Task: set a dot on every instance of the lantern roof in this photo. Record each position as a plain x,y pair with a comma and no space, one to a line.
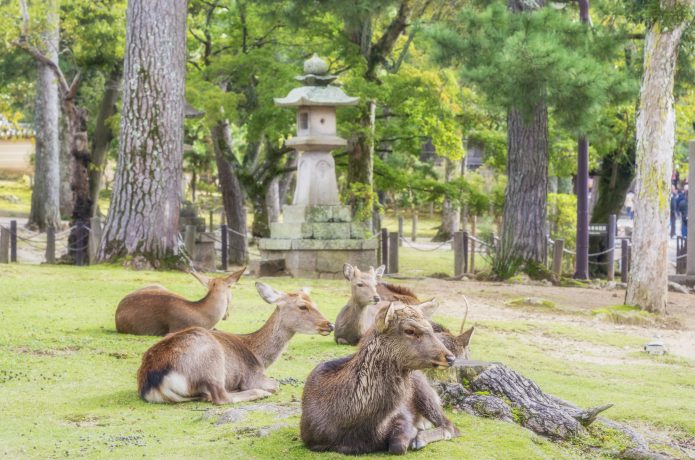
317,90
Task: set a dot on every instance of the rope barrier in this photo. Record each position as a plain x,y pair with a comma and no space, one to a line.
424,250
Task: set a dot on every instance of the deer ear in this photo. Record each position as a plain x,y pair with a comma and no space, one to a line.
268,294
234,277
379,271
204,280
348,272
465,338
428,308
385,317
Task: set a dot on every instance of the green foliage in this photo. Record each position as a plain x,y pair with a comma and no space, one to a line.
562,215
365,195
521,60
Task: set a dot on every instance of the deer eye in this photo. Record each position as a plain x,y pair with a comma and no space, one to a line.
302,307
409,332
360,284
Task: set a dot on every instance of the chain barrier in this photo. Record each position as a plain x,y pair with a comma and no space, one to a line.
424,250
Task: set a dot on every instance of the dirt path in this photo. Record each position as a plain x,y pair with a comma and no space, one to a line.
573,306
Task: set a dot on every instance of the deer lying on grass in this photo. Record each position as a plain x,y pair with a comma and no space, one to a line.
367,290
154,310
215,366
375,399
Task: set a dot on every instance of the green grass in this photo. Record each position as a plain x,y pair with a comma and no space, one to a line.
68,379
19,189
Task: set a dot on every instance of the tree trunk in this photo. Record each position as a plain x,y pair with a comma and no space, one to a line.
451,212
615,176
523,231
80,159
103,135
272,200
647,285
143,217
45,197
260,227
67,166
287,179
361,160
232,193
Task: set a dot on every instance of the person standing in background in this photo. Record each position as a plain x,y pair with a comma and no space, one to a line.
683,209
629,204
674,210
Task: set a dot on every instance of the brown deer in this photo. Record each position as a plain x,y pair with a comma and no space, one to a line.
376,399
154,310
349,326
215,366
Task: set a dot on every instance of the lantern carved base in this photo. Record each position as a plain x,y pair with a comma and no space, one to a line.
315,241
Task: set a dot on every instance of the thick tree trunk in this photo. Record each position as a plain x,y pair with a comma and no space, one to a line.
67,166
260,227
80,159
103,135
615,176
232,193
451,212
523,231
45,197
143,217
647,285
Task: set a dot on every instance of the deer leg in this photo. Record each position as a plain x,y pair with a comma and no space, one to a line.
403,432
215,393
426,404
427,436
247,395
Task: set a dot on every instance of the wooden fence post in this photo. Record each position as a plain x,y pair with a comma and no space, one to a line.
459,260
94,239
385,249
558,248
400,230
612,224
212,225
4,245
13,241
394,238
624,257
189,241
413,234
474,220
225,247
465,251
50,245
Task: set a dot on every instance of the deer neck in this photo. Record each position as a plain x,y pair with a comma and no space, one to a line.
269,341
380,382
214,304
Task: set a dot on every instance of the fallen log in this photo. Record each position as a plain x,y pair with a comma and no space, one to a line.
492,390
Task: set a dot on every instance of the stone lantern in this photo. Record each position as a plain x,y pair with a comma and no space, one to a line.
317,235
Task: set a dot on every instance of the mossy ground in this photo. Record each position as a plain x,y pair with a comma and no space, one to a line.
68,379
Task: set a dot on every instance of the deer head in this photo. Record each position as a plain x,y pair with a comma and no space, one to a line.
363,284
297,312
405,330
219,284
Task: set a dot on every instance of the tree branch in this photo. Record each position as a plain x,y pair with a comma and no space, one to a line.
384,45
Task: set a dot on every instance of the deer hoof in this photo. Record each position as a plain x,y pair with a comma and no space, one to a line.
417,444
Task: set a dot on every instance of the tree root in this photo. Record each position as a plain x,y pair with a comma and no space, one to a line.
496,391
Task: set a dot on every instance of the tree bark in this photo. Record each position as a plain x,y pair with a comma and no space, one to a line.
232,193
143,217
45,197
647,285
103,136
66,167
523,230
451,212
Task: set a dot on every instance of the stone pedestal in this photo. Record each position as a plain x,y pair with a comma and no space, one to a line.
689,278
315,241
